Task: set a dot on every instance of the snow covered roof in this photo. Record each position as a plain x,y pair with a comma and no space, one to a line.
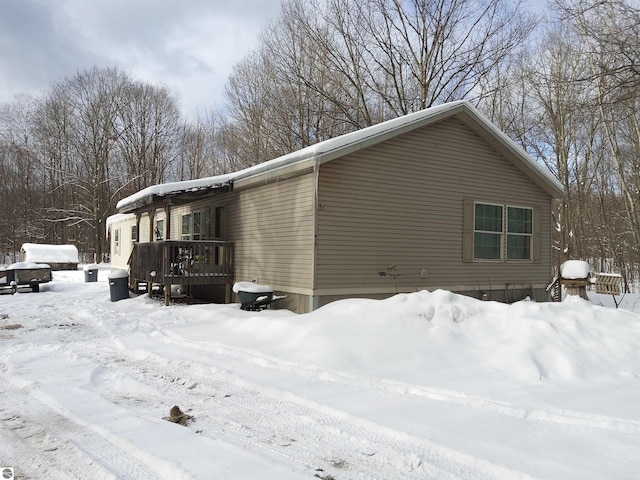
339,146
45,253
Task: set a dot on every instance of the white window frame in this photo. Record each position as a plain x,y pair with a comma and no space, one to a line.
507,233
159,230
192,234
116,241
500,233
185,235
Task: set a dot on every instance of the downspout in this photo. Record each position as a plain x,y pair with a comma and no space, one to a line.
313,299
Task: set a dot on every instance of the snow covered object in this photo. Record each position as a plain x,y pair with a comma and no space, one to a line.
574,276
574,269
26,273
253,296
58,257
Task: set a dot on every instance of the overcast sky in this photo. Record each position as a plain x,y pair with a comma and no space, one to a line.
189,46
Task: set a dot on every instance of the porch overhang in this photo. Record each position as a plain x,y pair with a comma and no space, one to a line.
155,201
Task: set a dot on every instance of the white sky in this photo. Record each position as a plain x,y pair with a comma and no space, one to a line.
189,46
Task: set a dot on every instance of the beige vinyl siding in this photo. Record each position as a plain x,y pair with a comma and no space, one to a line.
272,228
123,225
176,221
401,202
143,232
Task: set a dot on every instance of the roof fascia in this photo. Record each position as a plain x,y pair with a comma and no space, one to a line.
273,174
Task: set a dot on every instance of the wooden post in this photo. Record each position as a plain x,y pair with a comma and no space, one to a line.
152,230
167,221
152,238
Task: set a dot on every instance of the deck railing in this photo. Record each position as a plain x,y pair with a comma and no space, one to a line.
182,262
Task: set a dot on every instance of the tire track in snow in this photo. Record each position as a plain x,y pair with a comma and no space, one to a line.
482,404
478,403
314,435
281,424
249,416
46,444
260,418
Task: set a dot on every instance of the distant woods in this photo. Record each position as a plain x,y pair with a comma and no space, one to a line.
573,101
566,89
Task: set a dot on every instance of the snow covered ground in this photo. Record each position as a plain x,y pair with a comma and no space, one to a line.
419,386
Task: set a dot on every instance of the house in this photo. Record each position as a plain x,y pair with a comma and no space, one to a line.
439,198
58,257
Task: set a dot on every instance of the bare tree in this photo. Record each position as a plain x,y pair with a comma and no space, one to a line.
610,35
565,134
145,131
93,95
21,177
101,135
52,129
330,67
572,102
198,153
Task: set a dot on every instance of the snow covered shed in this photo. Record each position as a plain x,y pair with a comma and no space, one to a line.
439,198
58,257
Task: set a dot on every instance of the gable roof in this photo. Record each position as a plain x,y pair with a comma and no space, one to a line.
339,146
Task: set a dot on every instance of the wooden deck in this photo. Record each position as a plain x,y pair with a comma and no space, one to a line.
177,262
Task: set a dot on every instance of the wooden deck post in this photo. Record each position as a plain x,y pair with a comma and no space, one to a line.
167,295
167,220
152,231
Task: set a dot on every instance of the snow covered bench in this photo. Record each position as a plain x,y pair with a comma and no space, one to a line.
608,283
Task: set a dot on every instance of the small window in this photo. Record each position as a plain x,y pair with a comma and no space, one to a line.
116,241
134,233
186,226
195,217
160,230
191,226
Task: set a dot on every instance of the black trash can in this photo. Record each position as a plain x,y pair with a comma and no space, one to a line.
90,273
118,285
